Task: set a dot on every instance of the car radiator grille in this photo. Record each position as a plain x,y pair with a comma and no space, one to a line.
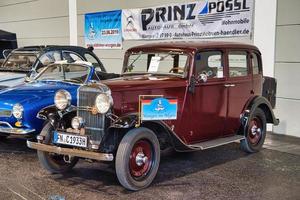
94,124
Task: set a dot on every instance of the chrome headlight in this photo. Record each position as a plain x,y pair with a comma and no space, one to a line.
77,123
17,111
103,103
62,99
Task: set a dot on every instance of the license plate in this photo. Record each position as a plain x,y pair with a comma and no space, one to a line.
68,139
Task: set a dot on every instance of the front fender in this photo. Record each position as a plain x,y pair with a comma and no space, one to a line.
55,116
128,121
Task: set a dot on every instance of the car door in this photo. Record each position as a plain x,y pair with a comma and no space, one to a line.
205,110
239,85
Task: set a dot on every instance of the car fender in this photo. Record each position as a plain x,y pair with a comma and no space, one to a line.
52,114
132,121
258,102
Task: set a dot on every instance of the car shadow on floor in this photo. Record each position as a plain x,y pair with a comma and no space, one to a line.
98,177
14,145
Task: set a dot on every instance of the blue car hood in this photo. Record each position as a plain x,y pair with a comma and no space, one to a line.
11,79
40,92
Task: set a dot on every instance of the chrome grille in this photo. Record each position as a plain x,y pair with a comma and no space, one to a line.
94,124
5,113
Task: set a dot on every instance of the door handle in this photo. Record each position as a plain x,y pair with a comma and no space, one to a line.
229,85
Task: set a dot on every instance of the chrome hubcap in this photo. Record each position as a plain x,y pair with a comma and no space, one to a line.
141,159
255,130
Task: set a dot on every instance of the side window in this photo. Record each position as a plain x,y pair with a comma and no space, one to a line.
71,57
238,65
256,67
209,63
92,60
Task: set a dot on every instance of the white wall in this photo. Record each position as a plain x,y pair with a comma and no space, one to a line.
264,32
287,67
36,22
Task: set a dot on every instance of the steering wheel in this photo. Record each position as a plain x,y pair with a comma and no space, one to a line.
177,68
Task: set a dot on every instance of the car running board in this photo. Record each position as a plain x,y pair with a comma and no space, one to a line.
217,142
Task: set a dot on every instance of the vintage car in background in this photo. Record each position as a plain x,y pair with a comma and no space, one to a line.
20,105
26,62
188,96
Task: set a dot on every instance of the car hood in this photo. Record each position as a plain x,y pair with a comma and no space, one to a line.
9,77
144,82
34,93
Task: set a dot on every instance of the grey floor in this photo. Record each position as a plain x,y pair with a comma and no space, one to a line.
220,173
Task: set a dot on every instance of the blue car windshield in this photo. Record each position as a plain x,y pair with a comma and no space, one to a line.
65,72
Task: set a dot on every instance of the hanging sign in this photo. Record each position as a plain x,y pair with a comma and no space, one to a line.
201,19
103,30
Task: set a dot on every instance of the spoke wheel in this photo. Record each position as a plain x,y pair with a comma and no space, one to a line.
137,159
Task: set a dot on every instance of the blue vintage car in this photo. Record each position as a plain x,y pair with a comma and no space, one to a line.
20,105
26,62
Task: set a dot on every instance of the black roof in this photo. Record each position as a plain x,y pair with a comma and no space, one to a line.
7,36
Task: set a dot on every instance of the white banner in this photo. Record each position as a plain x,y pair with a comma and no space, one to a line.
201,19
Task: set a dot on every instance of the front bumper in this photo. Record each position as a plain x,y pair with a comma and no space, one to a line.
71,152
9,130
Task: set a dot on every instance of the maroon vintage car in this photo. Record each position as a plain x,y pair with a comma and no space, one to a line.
188,96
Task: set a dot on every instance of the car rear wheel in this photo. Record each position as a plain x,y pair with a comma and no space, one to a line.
255,132
137,159
54,163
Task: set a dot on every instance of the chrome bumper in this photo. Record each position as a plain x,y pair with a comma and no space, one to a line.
8,129
71,152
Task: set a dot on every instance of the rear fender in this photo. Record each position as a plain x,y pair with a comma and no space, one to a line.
262,103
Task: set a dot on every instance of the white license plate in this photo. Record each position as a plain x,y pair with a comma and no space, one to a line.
68,139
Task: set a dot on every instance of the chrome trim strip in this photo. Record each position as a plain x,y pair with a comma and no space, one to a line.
15,131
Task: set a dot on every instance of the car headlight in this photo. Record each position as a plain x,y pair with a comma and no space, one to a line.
18,111
103,103
77,123
62,99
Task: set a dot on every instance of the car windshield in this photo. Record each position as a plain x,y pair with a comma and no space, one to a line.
21,62
51,57
65,72
156,63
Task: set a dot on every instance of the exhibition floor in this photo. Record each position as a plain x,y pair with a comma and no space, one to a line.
220,173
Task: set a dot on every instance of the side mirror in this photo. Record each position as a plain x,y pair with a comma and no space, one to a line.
27,79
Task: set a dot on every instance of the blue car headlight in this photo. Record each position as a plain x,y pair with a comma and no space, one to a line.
18,111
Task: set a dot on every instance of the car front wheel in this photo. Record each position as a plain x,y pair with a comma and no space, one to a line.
54,163
255,132
137,159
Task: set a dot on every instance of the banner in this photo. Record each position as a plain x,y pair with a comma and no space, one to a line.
103,30
201,19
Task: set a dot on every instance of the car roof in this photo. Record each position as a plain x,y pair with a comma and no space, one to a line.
190,46
46,48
